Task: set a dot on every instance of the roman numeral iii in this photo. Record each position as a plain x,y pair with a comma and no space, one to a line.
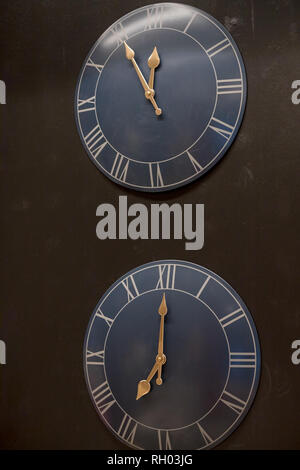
242,360
229,87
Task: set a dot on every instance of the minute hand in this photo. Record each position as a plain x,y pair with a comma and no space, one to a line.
163,310
130,56
149,94
141,77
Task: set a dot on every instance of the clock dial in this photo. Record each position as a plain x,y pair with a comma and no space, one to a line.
160,97
207,380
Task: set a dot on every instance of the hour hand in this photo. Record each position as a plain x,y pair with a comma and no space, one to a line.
144,386
153,63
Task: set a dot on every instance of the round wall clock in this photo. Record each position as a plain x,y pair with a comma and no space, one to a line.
160,97
171,357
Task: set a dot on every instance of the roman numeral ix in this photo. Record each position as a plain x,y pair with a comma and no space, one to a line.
95,358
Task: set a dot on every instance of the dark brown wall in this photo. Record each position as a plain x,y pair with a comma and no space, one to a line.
53,269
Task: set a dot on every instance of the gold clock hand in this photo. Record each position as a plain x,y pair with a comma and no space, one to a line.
158,111
149,93
153,63
163,310
144,386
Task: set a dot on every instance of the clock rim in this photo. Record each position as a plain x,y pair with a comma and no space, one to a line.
225,149
254,331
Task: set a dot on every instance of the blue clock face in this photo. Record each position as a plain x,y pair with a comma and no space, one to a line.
199,86
212,353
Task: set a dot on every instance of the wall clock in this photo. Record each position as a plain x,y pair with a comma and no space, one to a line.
160,97
171,357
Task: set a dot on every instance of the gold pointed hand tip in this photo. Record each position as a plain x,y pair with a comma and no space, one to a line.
143,388
154,59
129,52
163,309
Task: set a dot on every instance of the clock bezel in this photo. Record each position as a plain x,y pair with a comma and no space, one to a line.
216,159
252,327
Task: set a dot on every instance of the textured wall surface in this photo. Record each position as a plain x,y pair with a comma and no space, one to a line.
53,268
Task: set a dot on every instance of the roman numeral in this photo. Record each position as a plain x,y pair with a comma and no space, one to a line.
127,429
154,17
109,321
103,397
242,360
164,440
95,141
120,167
87,105
229,87
119,34
167,274
130,287
95,358
203,287
223,129
190,22
217,48
98,67
232,317
206,437
234,403
155,175
197,167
